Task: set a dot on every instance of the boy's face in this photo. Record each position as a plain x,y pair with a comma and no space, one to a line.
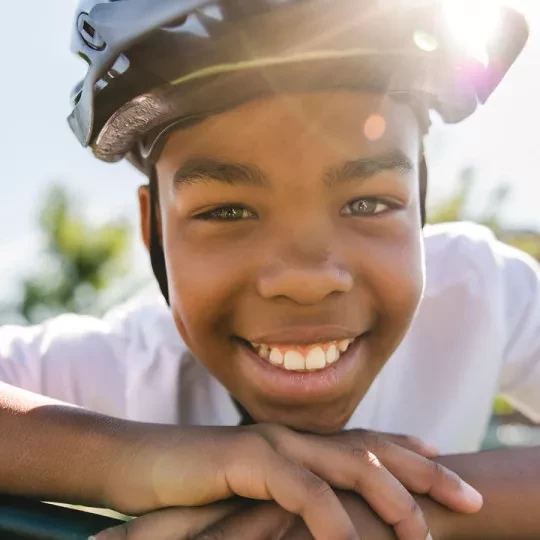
285,226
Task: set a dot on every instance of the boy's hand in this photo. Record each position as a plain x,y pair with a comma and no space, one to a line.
237,520
171,467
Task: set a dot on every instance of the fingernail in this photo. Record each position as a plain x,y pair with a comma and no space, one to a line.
429,537
432,450
472,495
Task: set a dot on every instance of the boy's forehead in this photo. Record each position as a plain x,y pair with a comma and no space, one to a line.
356,122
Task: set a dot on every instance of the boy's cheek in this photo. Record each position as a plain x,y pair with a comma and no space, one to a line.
394,272
396,281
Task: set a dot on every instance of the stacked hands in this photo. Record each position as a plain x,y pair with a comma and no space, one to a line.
209,483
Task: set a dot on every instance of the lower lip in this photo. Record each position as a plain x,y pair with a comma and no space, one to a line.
299,386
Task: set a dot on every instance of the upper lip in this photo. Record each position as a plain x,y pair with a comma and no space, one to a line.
305,335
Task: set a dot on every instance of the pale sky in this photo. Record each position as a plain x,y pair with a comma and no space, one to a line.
36,146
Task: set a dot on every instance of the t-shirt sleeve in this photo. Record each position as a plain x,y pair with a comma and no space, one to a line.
520,378
69,358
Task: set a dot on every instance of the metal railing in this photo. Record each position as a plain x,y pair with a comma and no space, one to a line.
25,519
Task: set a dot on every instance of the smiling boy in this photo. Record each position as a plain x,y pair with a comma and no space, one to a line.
284,214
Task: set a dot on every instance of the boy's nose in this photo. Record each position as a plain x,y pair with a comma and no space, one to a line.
304,280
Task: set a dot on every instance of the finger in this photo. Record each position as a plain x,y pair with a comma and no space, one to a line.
357,469
414,444
302,492
170,523
425,476
266,521
264,474
417,473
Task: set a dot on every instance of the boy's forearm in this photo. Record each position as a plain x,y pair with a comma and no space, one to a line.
509,480
53,451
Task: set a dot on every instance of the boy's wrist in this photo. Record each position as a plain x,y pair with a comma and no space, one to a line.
135,449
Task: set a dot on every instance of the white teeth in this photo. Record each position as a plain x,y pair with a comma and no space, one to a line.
276,357
294,361
332,354
315,359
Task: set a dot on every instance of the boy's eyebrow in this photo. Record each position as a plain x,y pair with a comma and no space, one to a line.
196,170
362,168
202,170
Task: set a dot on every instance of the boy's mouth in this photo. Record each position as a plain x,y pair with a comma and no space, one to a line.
304,365
302,358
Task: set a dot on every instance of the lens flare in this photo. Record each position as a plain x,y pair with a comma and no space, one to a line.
374,127
425,41
473,24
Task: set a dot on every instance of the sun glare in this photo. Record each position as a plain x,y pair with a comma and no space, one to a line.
473,23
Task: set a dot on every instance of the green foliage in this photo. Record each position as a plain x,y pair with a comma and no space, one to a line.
501,407
79,261
454,208
529,243
457,208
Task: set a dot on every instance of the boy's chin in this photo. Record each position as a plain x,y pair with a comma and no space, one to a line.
323,421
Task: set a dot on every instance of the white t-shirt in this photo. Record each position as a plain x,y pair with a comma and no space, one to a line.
476,334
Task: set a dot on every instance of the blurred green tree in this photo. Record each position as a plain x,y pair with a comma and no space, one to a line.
457,208
78,263
454,208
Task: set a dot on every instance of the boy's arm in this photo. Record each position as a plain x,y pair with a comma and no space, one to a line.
54,451
509,480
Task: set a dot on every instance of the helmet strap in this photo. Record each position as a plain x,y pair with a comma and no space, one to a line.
157,257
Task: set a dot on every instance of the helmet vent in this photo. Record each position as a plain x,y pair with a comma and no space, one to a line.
89,34
88,30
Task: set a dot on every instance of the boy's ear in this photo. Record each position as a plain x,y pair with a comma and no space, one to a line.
144,212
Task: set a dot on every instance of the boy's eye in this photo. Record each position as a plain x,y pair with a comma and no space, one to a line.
227,213
366,207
